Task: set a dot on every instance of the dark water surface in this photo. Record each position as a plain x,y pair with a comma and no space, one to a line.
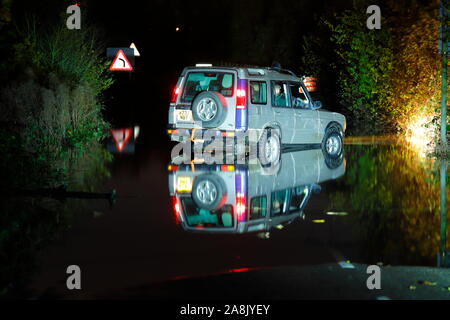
378,205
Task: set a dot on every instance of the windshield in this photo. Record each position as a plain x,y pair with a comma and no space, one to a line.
197,82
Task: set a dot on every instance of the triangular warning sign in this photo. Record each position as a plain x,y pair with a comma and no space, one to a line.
121,137
120,62
136,52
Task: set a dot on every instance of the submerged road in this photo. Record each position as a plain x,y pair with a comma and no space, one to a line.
135,249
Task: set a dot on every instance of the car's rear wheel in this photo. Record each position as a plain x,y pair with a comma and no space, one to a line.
209,192
209,108
333,142
269,148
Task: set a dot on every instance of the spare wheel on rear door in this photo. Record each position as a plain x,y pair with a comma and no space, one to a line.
210,108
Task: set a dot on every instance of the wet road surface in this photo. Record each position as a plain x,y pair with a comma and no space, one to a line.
383,208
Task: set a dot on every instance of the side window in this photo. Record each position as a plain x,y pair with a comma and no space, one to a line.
298,96
258,207
280,94
279,202
258,92
298,197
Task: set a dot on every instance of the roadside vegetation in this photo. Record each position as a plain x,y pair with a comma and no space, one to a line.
392,194
389,80
51,128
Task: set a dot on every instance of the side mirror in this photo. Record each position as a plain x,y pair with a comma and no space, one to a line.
316,105
315,188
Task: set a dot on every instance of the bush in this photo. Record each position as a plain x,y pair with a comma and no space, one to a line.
54,107
76,56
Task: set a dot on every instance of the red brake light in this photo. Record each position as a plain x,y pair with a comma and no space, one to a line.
241,95
176,209
241,207
176,93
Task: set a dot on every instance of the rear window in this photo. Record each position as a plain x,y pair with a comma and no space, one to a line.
197,217
279,202
258,92
258,208
197,82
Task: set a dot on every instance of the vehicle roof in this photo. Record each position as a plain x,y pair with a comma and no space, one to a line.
250,72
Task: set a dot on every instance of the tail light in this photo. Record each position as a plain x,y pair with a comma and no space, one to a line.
171,168
241,105
176,93
176,208
241,94
227,167
241,207
241,199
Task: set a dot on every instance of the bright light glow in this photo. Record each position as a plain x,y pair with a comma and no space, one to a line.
203,65
318,221
177,29
419,135
240,93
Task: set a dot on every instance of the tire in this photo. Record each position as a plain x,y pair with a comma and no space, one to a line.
209,192
209,108
269,148
333,143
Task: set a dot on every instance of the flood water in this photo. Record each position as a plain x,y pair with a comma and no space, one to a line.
379,204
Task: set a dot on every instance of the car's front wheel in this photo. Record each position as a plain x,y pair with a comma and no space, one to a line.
333,142
269,148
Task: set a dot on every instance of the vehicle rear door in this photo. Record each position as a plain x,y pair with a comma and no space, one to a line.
197,80
258,111
283,112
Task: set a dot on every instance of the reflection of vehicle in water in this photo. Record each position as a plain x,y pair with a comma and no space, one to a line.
248,198
123,140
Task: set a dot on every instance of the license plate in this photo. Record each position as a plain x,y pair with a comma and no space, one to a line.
184,115
184,184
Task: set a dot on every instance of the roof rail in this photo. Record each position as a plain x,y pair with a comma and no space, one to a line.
282,71
236,65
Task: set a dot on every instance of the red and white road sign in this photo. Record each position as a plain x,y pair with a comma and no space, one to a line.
121,137
120,62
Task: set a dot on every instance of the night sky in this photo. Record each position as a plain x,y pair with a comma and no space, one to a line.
256,32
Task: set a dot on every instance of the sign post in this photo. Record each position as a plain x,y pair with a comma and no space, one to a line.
443,258
443,44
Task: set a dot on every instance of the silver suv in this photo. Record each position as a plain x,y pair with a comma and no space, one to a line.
248,198
271,106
